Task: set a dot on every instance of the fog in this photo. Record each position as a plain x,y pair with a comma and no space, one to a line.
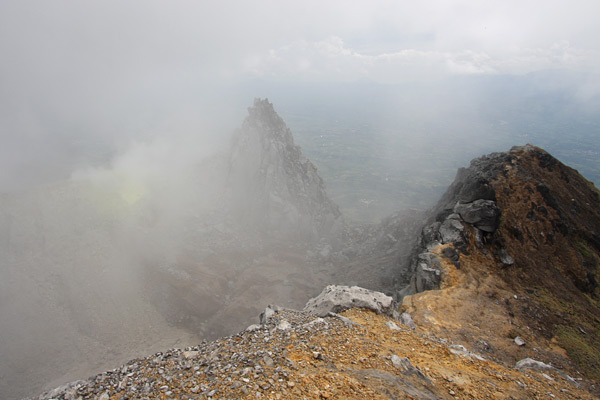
116,122
80,81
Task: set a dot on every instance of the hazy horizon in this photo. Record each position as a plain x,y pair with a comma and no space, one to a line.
83,84
117,237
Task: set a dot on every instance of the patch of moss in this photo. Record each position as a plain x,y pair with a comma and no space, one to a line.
583,249
579,336
551,302
581,349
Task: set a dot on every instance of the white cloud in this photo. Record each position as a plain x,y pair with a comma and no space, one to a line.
104,71
332,59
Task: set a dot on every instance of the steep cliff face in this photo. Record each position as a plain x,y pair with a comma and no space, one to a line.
272,186
513,249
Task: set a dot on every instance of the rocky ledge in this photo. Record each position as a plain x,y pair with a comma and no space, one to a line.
295,354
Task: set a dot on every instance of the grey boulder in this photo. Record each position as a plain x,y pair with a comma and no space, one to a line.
483,214
530,363
335,299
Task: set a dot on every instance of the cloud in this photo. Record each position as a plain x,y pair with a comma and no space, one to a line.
80,80
332,60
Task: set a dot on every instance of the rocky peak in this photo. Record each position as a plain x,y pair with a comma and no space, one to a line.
273,187
263,120
516,235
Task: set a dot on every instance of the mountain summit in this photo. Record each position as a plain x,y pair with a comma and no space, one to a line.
272,185
512,250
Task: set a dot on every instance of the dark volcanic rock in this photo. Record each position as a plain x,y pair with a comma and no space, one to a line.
467,208
483,214
473,183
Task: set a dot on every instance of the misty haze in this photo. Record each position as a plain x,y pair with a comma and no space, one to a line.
166,172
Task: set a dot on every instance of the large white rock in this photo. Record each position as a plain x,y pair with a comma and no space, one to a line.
530,363
335,299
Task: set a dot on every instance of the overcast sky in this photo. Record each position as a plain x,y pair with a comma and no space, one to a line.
80,74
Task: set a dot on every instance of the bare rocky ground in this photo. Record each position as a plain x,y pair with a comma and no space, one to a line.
358,354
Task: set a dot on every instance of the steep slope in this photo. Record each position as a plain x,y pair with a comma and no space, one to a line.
112,265
71,301
512,250
357,354
272,186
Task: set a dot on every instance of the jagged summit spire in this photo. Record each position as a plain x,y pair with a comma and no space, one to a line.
266,122
262,105
273,186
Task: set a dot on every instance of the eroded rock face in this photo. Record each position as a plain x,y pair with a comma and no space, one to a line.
483,214
467,208
531,261
272,187
335,299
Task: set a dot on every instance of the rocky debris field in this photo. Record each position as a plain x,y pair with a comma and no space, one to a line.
357,354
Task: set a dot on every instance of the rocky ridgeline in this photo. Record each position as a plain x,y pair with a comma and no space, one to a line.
469,214
272,186
363,353
466,212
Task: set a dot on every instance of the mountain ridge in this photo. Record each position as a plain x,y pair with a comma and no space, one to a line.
532,275
486,327
473,279
279,188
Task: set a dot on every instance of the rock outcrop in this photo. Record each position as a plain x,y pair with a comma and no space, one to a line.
470,200
335,299
512,252
272,186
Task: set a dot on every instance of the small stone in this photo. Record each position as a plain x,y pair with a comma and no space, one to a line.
190,354
452,393
392,326
519,341
505,257
252,328
314,322
406,319
268,361
547,376
397,361
284,325
291,384
269,312
236,385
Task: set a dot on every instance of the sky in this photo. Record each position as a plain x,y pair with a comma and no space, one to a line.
82,81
